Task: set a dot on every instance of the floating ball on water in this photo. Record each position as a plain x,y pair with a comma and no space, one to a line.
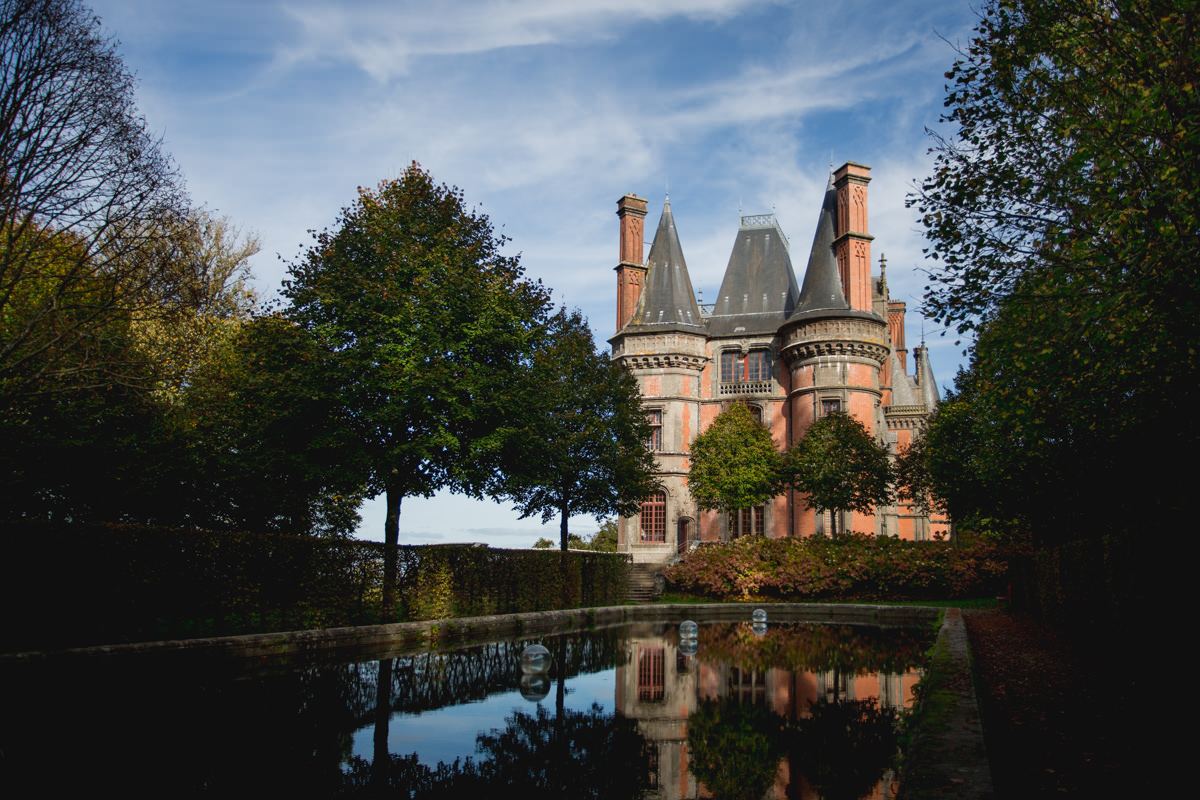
535,660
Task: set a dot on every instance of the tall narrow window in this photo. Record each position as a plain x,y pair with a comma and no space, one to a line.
651,674
655,417
747,522
758,366
654,519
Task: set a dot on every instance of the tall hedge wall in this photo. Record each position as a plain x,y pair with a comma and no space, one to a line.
68,585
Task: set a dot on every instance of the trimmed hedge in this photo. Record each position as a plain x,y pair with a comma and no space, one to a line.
72,585
845,568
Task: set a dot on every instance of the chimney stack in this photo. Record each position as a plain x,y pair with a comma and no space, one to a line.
631,273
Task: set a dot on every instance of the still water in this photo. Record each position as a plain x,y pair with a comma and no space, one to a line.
776,710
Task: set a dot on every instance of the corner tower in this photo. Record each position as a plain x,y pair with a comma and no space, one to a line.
662,342
834,344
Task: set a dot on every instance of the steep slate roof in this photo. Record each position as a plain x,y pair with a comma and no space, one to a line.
903,392
667,301
759,289
925,381
822,294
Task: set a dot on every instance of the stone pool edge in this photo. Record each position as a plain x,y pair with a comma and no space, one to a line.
457,630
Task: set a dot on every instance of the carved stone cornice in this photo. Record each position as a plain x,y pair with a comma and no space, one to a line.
862,337
663,361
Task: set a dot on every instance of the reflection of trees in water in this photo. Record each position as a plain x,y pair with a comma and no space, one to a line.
845,748
815,647
735,748
587,754
842,749
198,731
432,680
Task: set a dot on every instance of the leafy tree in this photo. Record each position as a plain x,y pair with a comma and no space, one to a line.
1065,220
271,448
914,481
84,189
605,540
421,323
734,463
839,465
582,446
213,298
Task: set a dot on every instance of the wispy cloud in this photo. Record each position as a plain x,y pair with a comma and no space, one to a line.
383,39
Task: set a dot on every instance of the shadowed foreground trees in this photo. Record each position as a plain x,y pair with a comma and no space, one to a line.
86,198
1064,211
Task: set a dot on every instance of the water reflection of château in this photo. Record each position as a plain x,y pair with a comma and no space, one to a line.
661,687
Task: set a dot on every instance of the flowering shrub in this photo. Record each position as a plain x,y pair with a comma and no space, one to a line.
856,566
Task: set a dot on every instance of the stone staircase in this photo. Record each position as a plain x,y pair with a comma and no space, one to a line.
642,582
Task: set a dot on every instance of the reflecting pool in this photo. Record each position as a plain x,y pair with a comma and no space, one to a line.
740,709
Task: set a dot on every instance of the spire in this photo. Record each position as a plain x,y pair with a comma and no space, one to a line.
822,280
668,299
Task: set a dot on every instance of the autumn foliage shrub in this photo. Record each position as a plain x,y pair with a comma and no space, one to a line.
855,566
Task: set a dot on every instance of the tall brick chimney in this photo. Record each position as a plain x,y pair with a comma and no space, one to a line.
631,273
853,243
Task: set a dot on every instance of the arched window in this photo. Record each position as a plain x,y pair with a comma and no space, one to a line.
654,519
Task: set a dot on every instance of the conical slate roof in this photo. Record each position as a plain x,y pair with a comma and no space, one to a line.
759,289
667,299
822,281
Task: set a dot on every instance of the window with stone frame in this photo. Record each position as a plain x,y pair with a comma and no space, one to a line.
653,519
830,406
747,522
655,417
752,367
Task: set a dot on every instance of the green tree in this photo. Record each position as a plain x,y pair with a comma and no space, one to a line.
142,422
839,465
422,323
735,747
1064,219
605,540
272,449
734,463
582,445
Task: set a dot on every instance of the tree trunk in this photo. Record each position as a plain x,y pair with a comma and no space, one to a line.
391,541
562,525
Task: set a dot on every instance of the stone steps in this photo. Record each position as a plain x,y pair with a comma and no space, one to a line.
644,582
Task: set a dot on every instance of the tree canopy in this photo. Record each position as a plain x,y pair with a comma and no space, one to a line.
839,465
422,323
734,463
1064,214
582,443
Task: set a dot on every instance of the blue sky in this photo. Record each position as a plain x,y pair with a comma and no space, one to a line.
545,113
